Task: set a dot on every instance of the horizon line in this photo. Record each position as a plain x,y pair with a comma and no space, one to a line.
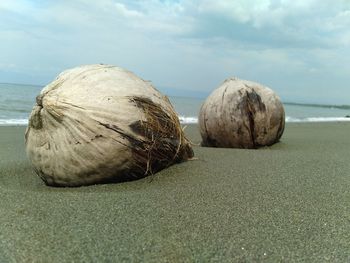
306,104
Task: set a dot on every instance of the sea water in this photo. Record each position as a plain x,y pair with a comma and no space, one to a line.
188,109
16,102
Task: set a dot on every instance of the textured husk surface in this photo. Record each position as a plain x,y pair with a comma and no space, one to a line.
241,114
101,123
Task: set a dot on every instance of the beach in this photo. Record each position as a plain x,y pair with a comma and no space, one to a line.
284,203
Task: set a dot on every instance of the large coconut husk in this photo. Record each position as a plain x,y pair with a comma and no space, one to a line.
100,123
241,114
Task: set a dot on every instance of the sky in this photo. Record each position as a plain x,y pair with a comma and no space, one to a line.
298,48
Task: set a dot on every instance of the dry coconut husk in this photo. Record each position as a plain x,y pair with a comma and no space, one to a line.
241,114
101,123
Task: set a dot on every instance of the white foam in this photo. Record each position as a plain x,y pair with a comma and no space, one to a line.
188,120
317,119
194,120
9,122
191,119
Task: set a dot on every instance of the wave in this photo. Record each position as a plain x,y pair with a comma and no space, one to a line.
9,122
327,106
194,120
188,120
20,110
317,119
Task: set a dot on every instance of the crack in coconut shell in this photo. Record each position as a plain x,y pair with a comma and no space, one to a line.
280,129
151,143
251,99
250,114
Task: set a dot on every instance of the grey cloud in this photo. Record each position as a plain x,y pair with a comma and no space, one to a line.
295,47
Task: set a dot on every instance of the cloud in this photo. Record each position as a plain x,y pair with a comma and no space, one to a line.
185,44
264,23
273,23
13,6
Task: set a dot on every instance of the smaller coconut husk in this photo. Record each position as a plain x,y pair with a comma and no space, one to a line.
241,114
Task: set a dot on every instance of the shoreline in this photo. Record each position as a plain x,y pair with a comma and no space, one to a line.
286,202
184,120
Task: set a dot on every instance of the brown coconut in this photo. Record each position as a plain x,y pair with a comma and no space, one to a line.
101,123
241,114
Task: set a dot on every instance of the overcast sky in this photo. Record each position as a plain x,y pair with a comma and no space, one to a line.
299,48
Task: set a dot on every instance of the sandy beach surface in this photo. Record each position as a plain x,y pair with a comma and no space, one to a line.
285,203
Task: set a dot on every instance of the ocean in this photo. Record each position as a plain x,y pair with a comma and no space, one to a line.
17,100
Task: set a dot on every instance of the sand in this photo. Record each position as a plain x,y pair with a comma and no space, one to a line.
286,203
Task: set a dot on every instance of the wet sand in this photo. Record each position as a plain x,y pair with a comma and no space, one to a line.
289,202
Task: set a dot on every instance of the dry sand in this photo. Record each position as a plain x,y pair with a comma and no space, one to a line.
289,202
